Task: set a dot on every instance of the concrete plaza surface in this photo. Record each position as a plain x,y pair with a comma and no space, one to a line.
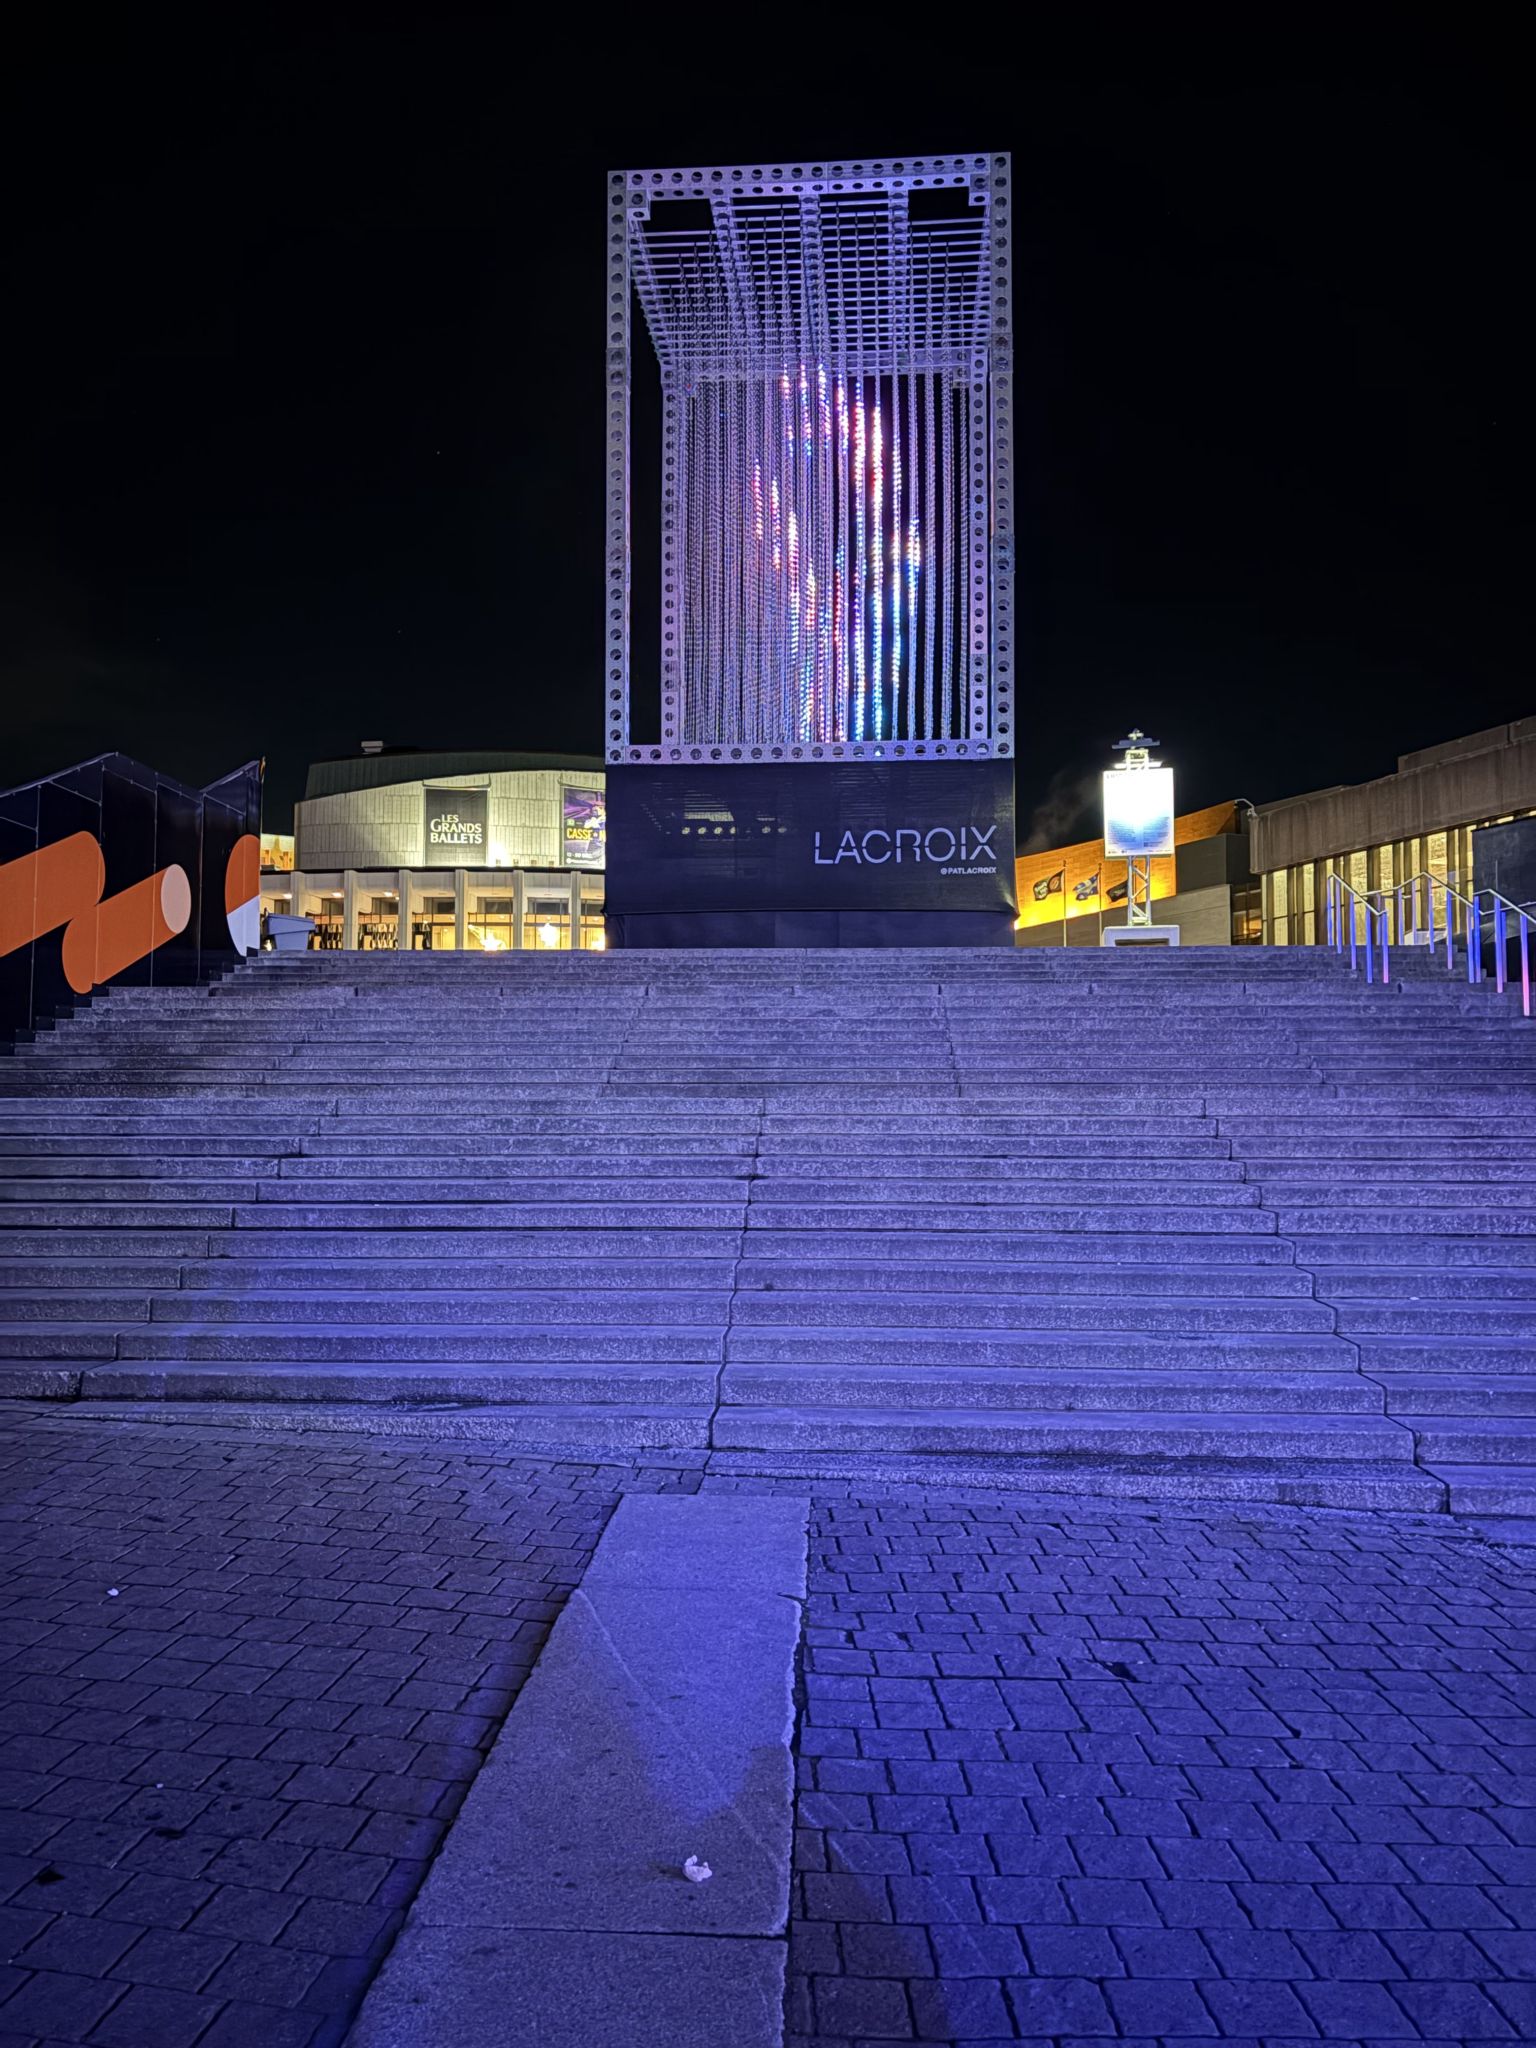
1066,1769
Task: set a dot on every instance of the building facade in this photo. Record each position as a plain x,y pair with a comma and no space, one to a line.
1380,835
1069,894
481,852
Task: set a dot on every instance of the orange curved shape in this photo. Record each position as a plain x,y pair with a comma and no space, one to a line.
242,877
43,890
112,935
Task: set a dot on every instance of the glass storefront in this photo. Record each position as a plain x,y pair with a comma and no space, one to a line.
327,908
1295,899
547,923
489,927
434,923
503,910
593,937
378,924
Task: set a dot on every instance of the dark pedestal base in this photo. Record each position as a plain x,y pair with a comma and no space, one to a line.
863,853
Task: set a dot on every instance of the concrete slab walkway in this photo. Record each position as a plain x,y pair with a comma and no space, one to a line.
653,1737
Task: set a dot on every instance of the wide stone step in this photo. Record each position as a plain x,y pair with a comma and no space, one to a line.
1067,1437
1448,1352
1426,1255
1364,1484
672,1211
1194,1190
954,1166
682,1389
701,1172
972,1124
58,1340
1017,1216
962,1307
1488,1489
591,1279
1216,1351
927,1253
1474,1439
1268,1153
83,1303
961,1143
343,1249
1367,1180
68,1242
91,1215
1128,1390
1411,1282
1388,1120
378,1343
80,1275
974,1278
1454,1393
545,1306
510,1191
140,1174
1415,1218
1417,1319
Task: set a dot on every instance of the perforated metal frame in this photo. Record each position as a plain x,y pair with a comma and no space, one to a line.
990,720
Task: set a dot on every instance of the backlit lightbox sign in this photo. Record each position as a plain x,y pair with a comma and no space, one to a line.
1138,812
584,827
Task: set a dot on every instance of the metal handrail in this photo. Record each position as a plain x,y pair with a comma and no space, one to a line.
1337,890
1406,921
1502,908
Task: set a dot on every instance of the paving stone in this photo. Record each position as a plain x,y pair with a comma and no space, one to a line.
174,1960
59,2003
146,2018
1213,1743
264,1546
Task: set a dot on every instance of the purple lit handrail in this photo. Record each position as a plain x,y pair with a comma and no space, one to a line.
1337,890
1503,909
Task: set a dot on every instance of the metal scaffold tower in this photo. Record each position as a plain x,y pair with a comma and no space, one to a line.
836,459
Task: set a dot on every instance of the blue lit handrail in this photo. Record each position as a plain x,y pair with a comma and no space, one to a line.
1338,916
1502,909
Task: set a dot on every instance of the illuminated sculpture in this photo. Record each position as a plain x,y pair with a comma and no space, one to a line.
836,459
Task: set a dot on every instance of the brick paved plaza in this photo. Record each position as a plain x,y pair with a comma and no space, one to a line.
1067,1771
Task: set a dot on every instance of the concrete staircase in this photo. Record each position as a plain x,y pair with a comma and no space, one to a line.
1205,1223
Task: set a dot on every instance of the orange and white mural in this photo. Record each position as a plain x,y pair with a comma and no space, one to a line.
242,894
72,921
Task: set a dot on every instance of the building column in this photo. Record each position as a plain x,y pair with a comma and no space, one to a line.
460,909
349,910
403,921
575,882
519,903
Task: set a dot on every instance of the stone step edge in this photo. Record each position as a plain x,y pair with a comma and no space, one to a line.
558,1908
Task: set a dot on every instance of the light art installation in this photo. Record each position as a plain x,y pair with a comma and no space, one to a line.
836,466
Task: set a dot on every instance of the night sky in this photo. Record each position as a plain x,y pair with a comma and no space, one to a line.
303,383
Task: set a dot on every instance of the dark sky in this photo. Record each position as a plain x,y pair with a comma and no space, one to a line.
303,376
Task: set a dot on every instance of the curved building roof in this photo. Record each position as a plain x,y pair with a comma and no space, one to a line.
378,771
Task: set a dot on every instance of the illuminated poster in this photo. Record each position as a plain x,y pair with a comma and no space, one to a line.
455,822
1138,812
584,827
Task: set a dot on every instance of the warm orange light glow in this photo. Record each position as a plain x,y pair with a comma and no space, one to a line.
1086,859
